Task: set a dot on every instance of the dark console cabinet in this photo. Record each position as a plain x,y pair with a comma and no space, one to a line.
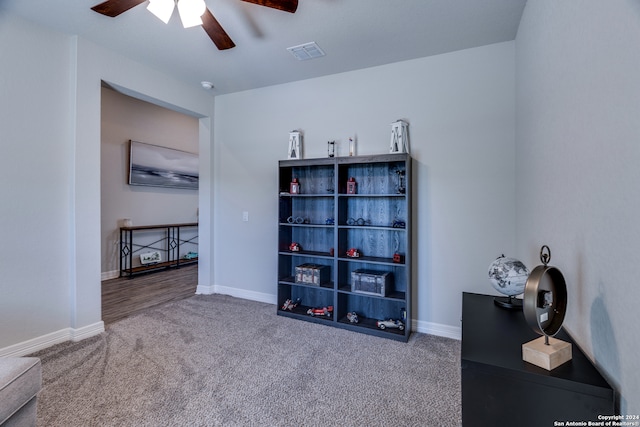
499,388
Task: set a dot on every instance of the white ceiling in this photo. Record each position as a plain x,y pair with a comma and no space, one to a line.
354,34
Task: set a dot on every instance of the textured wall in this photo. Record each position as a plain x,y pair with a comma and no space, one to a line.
50,187
35,165
460,107
578,100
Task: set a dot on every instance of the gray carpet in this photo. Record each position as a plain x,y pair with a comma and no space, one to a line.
214,360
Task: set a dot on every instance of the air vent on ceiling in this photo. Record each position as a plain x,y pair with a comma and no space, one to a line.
306,51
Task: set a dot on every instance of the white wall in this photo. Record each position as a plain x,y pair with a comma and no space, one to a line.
460,107
35,164
125,118
50,122
578,99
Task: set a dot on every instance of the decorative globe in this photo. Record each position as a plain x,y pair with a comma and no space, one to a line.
508,275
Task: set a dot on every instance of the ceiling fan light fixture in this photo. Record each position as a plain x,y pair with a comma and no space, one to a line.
191,12
162,9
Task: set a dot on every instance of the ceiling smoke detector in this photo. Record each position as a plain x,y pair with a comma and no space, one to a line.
207,85
306,51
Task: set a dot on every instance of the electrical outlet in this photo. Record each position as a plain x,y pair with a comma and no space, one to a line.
245,216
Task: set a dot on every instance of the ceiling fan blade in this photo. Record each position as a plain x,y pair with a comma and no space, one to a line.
285,5
215,31
114,8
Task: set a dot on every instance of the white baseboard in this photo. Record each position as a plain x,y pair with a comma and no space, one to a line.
205,290
438,329
420,326
87,331
69,334
245,294
108,275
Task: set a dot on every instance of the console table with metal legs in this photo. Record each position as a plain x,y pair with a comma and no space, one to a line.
168,241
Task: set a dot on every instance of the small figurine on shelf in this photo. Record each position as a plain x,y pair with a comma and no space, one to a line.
398,258
352,186
295,247
294,187
353,253
352,316
290,305
393,324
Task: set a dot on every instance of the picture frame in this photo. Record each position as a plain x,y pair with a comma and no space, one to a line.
156,166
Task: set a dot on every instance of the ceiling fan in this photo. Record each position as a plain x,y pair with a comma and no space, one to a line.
218,35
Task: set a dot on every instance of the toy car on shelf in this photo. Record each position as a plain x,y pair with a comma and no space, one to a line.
393,324
324,311
353,253
352,316
290,305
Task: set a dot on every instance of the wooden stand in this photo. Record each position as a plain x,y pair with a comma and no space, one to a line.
547,356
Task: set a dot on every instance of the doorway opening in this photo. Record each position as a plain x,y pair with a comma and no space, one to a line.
124,119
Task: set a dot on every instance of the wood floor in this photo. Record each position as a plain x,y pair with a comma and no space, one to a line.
123,297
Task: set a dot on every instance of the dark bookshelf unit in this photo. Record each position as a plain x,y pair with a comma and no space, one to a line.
326,216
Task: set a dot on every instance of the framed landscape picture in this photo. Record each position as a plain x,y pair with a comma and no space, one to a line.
156,166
